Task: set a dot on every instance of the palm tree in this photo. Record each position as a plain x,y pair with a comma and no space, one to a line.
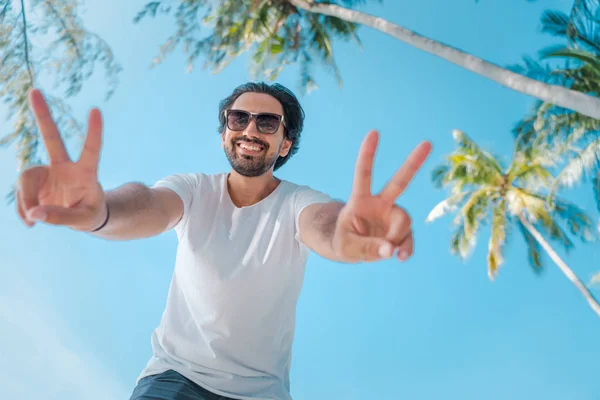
484,191
579,134
283,32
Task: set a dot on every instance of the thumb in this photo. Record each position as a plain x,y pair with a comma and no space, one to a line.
369,248
55,215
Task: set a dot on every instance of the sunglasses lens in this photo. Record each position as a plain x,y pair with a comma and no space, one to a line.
268,123
237,120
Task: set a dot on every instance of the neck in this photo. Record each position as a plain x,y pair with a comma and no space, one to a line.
246,191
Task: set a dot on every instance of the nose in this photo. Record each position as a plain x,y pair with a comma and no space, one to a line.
251,131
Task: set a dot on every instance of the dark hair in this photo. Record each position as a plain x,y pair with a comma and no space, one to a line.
292,112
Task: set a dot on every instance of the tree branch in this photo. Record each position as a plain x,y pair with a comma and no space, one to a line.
27,62
3,13
580,102
64,26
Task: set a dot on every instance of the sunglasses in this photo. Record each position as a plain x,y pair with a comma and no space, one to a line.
267,123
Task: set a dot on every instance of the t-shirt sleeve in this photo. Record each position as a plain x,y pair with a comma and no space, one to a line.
185,186
304,197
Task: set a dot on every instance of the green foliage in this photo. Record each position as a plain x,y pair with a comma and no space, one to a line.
468,167
499,227
577,135
533,248
583,163
460,244
47,39
275,33
596,186
482,191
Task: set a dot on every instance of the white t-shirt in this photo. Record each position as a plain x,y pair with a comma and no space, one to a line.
230,315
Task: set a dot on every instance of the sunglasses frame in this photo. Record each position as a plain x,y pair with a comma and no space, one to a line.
253,116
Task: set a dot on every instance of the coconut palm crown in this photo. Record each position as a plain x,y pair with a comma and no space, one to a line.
483,191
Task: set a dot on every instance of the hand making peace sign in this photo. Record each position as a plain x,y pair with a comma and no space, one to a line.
63,192
372,227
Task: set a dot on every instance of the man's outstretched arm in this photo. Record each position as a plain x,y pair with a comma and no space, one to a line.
317,225
137,211
68,193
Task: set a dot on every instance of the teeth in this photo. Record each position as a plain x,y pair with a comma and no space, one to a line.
250,147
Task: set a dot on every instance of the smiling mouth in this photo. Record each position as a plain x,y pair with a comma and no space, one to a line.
250,148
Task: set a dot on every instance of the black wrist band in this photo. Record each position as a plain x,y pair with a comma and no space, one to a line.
105,222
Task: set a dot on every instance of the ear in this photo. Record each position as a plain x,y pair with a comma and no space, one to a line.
285,149
223,139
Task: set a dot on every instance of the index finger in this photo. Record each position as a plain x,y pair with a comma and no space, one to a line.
363,170
52,140
396,186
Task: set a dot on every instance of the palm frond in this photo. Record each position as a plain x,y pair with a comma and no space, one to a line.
467,168
596,188
586,160
464,173
524,129
578,221
570,125
467,222
439,175
450,204
534,129
533,248
534,207
461,244
469,147
537,70
580,27
537,150
499,226
474,211
555,23
533,176
556,232
580,55
469,171
534,161
585,20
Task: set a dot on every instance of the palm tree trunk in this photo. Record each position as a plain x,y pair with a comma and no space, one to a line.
562,265
554,94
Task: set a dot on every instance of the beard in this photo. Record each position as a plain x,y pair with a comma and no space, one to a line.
247,165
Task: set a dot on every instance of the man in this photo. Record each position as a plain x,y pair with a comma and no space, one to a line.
244,237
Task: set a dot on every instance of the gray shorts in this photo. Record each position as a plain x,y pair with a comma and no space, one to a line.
171,385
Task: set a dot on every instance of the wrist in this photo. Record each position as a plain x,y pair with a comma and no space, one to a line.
105,220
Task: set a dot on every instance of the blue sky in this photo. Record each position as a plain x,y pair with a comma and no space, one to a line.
77,312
